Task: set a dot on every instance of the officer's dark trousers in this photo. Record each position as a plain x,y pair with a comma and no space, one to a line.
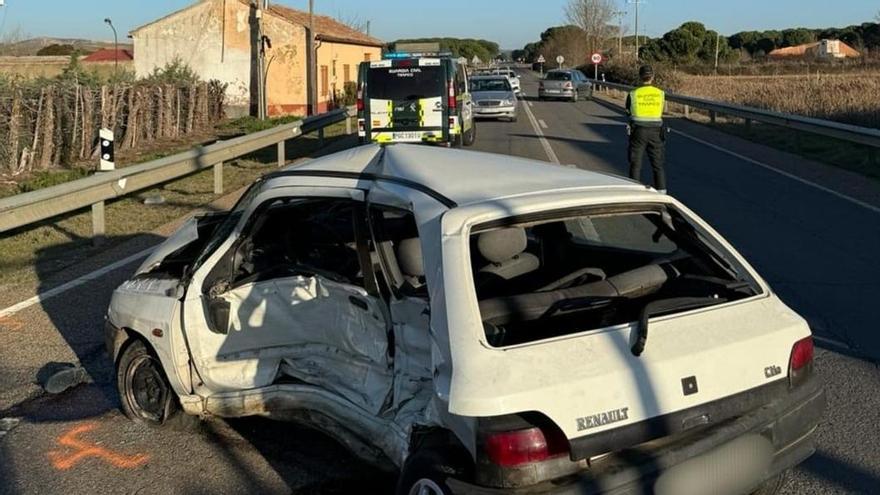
652,139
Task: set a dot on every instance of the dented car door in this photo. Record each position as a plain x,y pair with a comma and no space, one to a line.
286,300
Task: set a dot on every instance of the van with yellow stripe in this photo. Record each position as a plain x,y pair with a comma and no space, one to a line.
415,98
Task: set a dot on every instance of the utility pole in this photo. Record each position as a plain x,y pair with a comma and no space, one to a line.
312,63
717,48
368,28
636,3
619,14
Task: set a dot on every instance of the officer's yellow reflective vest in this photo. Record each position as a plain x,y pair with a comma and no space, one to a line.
646,105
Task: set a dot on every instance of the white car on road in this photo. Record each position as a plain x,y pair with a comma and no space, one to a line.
484,323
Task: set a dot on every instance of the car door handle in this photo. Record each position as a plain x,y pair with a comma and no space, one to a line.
358,302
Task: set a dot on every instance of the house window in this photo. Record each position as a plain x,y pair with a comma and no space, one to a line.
325,85
346,73
368,57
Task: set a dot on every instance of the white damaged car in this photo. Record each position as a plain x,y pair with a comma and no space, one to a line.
484,323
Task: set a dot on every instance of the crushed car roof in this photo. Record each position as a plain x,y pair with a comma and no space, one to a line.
464,177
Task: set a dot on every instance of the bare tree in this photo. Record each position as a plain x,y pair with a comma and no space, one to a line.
9,39
594,18
354,21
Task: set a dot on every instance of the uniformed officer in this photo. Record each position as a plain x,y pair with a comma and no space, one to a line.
645,106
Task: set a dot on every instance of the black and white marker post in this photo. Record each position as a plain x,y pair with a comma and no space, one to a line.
106,164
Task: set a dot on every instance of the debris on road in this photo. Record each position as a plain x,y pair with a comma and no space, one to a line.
7,424
157,199
63,377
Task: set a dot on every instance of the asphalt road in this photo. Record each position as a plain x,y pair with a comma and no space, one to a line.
816,249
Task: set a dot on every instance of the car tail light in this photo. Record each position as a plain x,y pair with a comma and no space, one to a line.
360,99
451,98
800,364
362,126
514,448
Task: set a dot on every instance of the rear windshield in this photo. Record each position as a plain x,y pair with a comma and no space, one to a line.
549,278
558,76
498,84
405,83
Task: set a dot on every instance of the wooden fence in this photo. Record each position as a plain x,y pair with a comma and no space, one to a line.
49,126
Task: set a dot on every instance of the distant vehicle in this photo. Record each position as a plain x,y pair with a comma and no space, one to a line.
493,97
484,323
512,75
570,84
415,98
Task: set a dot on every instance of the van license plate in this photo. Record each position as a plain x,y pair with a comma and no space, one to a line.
407,136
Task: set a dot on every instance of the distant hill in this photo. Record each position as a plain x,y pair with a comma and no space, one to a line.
32,46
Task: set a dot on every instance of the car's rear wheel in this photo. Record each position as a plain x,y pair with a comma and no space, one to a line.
144,391
772,486
427,471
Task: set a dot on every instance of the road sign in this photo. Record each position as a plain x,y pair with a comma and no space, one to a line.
541,59
596,58
560,59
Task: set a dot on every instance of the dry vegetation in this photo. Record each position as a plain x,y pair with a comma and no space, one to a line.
849,98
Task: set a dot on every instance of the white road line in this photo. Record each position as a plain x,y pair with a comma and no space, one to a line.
551,155
842,196
61,289
543,124
530,104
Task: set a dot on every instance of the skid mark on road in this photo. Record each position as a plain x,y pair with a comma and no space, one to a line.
78,450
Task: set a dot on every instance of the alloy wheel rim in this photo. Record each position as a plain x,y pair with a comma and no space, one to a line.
425,486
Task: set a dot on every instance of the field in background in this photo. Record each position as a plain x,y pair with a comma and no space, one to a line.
35,67
849,98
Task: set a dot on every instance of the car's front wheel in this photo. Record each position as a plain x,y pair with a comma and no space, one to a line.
470,137
144,391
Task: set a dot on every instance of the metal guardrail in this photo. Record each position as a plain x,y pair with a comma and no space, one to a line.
846,132
32,207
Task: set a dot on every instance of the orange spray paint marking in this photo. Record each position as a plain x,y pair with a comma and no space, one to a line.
84,450
11,323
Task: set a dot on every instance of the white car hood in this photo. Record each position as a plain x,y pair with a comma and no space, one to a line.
187,233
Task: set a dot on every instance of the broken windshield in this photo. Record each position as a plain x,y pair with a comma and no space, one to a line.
537,278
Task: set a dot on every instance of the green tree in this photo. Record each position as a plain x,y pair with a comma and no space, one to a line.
798,36
56,50
690,43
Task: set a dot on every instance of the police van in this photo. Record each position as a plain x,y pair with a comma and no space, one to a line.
415,97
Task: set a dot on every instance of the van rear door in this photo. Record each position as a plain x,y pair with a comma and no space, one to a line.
403,100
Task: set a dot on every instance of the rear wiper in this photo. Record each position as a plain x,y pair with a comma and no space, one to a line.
579,304
662,306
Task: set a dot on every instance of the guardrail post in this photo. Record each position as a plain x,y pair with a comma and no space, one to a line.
282,153
98,223
347,125
748,125
712,115
687,111
218,178
321,137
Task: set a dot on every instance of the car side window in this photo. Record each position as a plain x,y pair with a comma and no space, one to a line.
301,236
396,242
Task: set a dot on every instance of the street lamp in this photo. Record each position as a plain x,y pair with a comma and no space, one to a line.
115,46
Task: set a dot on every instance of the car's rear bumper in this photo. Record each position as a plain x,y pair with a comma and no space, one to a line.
562,93
697,461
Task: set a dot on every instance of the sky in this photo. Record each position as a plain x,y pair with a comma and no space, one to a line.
511,23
